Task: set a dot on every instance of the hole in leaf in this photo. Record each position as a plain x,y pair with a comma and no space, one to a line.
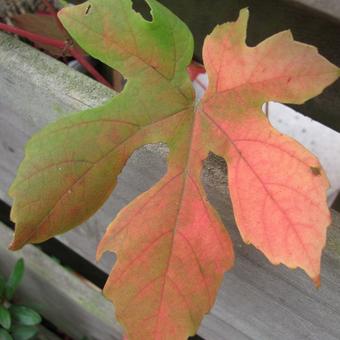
316,171
87,11
141,7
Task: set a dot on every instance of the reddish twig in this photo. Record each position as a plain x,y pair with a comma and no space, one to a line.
33,36
77,54
63,45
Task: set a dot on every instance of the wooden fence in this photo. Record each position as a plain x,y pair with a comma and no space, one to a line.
257,300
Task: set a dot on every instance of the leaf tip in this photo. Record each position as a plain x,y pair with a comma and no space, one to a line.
83,8
61,13
244,14
18,243
13,246
242,21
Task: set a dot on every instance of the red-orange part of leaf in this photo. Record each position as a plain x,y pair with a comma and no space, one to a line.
279,201
172,252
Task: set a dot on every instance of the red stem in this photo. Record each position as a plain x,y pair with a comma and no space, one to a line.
59,44
33,36
77,54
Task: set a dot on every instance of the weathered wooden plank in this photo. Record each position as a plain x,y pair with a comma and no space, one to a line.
72,305
257,300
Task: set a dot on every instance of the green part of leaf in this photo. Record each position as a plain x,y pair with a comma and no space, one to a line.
111,31
24,315
14,279
4,335
20,332
5,318
75,181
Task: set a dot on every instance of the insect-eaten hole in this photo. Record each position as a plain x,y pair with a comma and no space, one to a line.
88,9
316,171
141,7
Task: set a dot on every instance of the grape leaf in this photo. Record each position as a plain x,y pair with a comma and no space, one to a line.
172,249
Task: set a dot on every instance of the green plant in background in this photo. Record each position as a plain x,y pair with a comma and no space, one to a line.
16,322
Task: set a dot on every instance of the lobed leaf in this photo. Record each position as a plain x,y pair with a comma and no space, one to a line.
172,249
